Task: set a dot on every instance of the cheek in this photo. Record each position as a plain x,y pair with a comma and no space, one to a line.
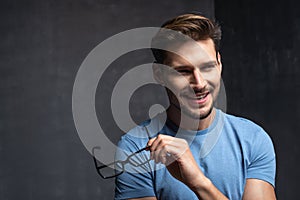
215,84
212,76
176,84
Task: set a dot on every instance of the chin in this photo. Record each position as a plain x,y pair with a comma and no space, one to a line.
198,114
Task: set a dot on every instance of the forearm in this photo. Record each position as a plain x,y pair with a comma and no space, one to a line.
205,189
182,165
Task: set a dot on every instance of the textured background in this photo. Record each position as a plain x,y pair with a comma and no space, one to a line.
43,44
261,59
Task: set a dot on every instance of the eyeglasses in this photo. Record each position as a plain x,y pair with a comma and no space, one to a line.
116,168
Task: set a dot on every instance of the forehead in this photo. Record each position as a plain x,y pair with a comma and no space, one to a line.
191,53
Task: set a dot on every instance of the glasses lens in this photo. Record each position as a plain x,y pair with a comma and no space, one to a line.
111,170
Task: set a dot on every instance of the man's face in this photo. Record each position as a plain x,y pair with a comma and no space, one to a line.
194,78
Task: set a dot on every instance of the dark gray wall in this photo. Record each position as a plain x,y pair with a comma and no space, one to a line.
261,61
43,43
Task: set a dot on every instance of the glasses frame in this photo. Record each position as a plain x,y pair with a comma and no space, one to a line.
98,168
122,162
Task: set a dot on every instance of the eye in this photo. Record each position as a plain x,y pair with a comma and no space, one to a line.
184,71
207,68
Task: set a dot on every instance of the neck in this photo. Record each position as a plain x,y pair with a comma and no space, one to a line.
185,122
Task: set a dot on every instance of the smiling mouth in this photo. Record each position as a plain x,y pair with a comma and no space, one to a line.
198,96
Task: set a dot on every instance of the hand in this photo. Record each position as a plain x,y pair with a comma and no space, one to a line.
176,155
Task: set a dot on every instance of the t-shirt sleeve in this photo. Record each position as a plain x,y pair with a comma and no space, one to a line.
262,158
134,182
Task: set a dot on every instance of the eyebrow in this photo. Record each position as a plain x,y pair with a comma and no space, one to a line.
209,63
202,64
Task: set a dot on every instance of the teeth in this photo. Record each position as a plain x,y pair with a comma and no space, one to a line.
201,96
198,97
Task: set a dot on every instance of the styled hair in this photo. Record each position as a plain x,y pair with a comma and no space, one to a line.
194,26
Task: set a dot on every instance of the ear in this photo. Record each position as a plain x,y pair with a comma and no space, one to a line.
158,73
219,62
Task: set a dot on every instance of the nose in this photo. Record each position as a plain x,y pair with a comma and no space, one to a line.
198,80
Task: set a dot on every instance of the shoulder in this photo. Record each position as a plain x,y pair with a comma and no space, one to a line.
138,137
241,122
251,136
244,126
248,133
134,139
257,147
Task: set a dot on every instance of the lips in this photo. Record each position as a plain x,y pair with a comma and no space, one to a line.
198,96
198,99
201,96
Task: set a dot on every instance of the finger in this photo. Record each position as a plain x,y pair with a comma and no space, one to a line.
154,142
161,155
163,141
166,157
156,157
150,142
150,148
163,150
173,153
155,148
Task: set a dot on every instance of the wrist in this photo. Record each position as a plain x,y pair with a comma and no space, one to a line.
203,185
206,190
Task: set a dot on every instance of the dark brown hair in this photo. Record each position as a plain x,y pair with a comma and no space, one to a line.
194,26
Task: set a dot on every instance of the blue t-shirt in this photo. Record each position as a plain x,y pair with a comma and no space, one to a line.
230,151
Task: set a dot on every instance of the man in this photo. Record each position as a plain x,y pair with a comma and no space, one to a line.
200,152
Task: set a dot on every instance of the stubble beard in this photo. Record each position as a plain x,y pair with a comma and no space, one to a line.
188,111
196,115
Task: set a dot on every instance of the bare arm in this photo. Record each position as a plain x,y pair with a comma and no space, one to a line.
258,190
176,155
145,198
